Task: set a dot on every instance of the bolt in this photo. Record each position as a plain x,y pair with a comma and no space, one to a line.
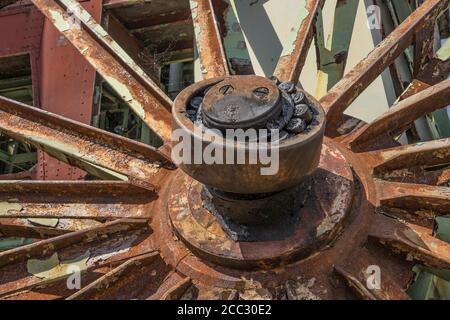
261,92
226,89
288,87
298,97
302,111
296,125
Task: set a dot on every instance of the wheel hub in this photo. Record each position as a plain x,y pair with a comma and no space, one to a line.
235,104
258,228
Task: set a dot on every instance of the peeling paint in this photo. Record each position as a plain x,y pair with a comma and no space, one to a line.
8,208
444,52
46,222
52,268
59,22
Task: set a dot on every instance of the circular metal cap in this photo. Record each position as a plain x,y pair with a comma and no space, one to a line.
241,102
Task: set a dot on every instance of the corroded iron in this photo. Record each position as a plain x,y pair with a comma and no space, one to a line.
342,204
298,155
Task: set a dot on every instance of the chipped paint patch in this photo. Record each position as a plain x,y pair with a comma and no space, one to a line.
9,207
444,52
59,21
328,224
52,268
120,245
46,222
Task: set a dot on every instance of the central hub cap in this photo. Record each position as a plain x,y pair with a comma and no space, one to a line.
288,122
238,213
237,103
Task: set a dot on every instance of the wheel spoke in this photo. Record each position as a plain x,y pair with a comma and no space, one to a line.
414,196
336,101
96,151
49,246
212,55
42,267
8,228
76,199
172,288
430,153
99,287
400,116
291,63
414,241
115,66
356,271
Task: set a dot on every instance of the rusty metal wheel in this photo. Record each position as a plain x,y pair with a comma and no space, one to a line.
372,202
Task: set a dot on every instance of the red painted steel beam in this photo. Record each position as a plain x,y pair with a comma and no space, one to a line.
114,65
21,31
66,88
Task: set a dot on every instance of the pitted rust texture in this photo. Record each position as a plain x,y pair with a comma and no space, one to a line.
312,220
210,48
77,199
371,202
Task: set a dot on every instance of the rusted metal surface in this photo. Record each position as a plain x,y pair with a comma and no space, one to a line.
48,246
81,145
110,4
212,56
356,271
413,241
299,154
135,49
361,76
30,279
268,241
11,229
95,288
62,66
425,42
422,200
6,3
355,210
77,199
176,291
113,64
291,64
428,153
